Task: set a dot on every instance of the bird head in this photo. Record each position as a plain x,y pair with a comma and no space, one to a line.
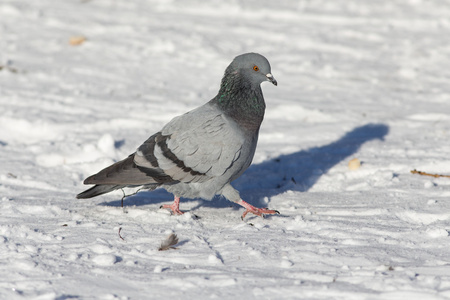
254,67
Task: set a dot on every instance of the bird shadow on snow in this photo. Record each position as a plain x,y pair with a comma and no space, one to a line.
297,171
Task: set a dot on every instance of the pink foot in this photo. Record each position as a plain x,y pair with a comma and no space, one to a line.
175,206
256,211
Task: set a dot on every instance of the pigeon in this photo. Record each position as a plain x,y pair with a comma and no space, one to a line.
198,154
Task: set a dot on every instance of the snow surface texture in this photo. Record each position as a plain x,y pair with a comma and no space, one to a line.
357,79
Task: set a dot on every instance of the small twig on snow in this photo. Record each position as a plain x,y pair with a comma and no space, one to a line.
125,195
428,174
120,228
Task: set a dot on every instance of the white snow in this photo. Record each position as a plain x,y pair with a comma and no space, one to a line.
356,79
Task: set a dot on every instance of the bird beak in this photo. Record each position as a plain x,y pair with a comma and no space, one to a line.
271,79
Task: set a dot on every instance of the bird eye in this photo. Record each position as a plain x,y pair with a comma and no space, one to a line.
255,68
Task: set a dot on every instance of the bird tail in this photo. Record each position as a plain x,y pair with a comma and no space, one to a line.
97,190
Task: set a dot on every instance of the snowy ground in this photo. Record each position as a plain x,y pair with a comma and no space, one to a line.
357,79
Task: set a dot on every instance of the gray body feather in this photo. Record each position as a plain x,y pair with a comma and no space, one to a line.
198,154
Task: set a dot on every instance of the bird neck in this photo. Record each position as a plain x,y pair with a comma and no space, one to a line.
241,100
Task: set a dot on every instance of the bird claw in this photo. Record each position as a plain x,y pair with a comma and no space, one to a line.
174,207
175,210
262,212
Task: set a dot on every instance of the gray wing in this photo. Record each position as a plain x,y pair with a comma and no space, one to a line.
195,147
127,173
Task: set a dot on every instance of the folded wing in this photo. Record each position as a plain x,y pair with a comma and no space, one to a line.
195,147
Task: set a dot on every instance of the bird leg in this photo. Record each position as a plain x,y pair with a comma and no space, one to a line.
175,206
254,210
